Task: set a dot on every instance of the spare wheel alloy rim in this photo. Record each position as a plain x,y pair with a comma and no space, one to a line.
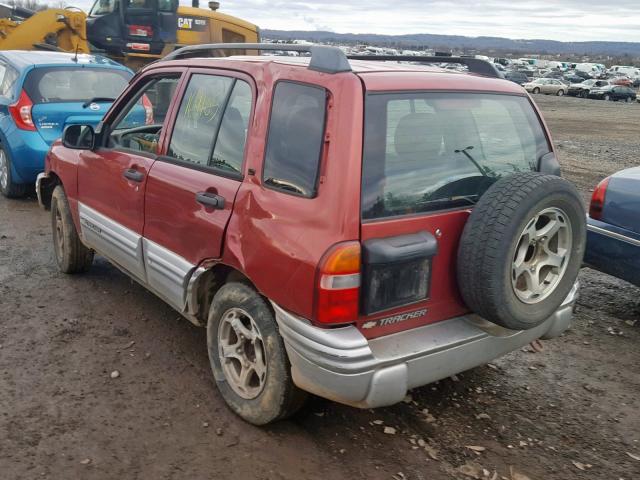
4,170
542,255
242,354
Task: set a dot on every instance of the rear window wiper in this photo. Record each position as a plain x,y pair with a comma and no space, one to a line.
97,99
284,185
484,171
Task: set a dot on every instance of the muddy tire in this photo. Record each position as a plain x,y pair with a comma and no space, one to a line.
248,356
72,256
521,249
8,187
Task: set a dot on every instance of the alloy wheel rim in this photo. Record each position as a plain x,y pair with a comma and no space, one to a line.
242,354
4,170
541,255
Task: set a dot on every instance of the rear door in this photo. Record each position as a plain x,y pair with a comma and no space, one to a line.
61,96
192,187
112,177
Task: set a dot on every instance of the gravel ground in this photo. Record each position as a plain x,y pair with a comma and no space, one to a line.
567,412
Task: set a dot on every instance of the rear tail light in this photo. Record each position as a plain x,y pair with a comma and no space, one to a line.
21,112
597,199
140,31
148,110
338,285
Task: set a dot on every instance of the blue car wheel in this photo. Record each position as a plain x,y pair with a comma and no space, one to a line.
7,186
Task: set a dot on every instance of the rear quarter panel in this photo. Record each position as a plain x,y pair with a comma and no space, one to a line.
622,200
278,239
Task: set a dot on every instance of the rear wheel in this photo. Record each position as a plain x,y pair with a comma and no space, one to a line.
521,249
628,100
71,254
536,90
248,357
607,98
8,187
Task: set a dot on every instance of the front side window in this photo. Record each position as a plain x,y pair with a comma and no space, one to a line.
103,7
294,144
431,151
74,84
140,123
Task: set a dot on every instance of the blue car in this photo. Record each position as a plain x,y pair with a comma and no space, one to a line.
40,94
613,226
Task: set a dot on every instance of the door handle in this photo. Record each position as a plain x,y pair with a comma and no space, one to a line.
210,200
133,175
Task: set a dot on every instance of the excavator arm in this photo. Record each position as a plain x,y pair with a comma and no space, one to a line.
51,29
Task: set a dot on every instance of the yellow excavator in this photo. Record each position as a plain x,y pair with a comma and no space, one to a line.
133,32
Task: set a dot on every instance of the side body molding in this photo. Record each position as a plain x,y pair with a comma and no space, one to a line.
168,275
116,242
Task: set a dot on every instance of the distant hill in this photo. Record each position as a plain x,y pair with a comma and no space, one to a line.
484,44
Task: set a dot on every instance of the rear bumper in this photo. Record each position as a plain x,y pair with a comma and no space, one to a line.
613,250
342,365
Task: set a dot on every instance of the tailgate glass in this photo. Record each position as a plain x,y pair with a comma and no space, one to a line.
432,151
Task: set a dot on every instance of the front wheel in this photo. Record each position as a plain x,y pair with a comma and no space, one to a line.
607,98
8,187
560,93
584,94
72,256
536,90
248,356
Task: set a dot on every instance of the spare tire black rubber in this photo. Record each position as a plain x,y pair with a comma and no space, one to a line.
503,249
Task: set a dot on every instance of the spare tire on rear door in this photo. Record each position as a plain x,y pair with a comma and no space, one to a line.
521,249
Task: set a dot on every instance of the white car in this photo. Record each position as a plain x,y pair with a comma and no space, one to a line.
549,86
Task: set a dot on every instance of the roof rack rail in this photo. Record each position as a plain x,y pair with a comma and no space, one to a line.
323,58
475,65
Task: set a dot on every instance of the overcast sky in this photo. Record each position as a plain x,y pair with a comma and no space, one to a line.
565,20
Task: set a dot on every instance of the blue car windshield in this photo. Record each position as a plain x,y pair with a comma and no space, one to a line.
75,84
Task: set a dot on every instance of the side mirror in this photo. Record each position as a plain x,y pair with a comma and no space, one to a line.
79,137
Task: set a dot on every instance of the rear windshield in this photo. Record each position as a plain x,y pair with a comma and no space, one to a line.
432,151
76,84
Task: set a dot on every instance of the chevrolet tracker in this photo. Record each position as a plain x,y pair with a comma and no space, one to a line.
348,227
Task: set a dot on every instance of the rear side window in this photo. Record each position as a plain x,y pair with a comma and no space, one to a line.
294,144
54,85
431,151
199,118
9,77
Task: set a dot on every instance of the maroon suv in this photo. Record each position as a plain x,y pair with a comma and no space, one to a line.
350,228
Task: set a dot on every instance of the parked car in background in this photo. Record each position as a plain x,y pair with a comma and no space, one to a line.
516,77
582,89
431,234
573,78
613,226
548,86
614,93
41,93
624,81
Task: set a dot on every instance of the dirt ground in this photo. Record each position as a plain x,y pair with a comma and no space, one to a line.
567,412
